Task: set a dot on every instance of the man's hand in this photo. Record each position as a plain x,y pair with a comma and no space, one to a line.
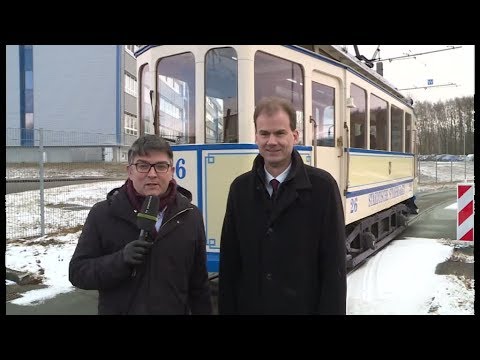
134,252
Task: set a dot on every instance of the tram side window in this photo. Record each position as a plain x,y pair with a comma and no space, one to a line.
221,96
145,116
323,111
176,97
408,133
378,123
397,131
358,117
282,78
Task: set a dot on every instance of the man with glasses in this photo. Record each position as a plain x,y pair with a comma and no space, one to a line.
163,274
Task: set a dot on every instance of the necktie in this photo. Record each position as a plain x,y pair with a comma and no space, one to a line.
274,183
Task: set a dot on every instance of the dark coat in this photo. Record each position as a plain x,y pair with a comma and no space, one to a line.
286,257
172,280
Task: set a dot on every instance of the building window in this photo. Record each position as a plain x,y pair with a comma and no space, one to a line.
130,85
130,49
26,95
169,108
131,124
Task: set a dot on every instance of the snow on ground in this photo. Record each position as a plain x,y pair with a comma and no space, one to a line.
47,255
389,284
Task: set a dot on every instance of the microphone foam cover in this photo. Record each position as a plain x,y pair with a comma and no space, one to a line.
147,217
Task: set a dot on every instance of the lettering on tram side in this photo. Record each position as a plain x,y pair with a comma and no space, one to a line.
180,170
380,196
353,205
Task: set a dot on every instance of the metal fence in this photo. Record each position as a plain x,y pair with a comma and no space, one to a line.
53,178
445,171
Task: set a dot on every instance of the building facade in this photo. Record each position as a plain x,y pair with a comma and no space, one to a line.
84,97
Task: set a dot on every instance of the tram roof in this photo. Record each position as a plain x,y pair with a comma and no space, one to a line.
339,57
337,53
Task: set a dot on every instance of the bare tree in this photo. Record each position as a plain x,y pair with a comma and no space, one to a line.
443,126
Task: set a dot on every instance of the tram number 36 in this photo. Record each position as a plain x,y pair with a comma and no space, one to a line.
180,170
353,205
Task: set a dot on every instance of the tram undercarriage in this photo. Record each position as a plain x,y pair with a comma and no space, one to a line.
370,234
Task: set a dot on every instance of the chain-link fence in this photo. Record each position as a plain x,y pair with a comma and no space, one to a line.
54,177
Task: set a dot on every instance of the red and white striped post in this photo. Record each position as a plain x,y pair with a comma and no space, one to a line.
465,211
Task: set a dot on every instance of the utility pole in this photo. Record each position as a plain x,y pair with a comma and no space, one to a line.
464,155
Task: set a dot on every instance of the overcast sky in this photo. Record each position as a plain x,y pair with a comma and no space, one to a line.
452,66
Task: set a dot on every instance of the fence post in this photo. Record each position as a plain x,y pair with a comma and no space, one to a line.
418,171
451,171
464,156
42,195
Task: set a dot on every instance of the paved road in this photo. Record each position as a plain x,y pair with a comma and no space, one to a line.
16,187
78,302
433,221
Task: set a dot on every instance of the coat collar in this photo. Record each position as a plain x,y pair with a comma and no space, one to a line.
120,205
296,180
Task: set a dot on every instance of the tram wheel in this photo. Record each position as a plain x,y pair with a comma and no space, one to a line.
369,240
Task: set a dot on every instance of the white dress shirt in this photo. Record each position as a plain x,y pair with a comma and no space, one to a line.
281,178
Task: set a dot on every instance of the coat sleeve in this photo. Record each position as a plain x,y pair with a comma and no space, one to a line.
333,290
90,268
200,301
229,262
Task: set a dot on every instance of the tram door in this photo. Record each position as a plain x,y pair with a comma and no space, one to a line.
325,112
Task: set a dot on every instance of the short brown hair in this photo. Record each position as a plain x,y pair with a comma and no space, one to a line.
271,105
146,143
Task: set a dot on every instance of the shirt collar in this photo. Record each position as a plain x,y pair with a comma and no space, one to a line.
280,178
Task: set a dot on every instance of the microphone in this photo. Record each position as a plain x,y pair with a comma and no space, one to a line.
147,217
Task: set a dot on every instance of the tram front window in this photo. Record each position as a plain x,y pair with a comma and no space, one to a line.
282,78
397,130
323,111
176,97
221,96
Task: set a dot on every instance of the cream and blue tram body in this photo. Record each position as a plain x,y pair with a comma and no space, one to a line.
351,122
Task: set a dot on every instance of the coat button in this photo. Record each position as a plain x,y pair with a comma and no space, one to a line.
268,276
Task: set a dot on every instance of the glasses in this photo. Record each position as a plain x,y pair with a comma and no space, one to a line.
161,167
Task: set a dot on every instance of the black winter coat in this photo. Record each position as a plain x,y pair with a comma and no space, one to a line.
286,257
172,280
